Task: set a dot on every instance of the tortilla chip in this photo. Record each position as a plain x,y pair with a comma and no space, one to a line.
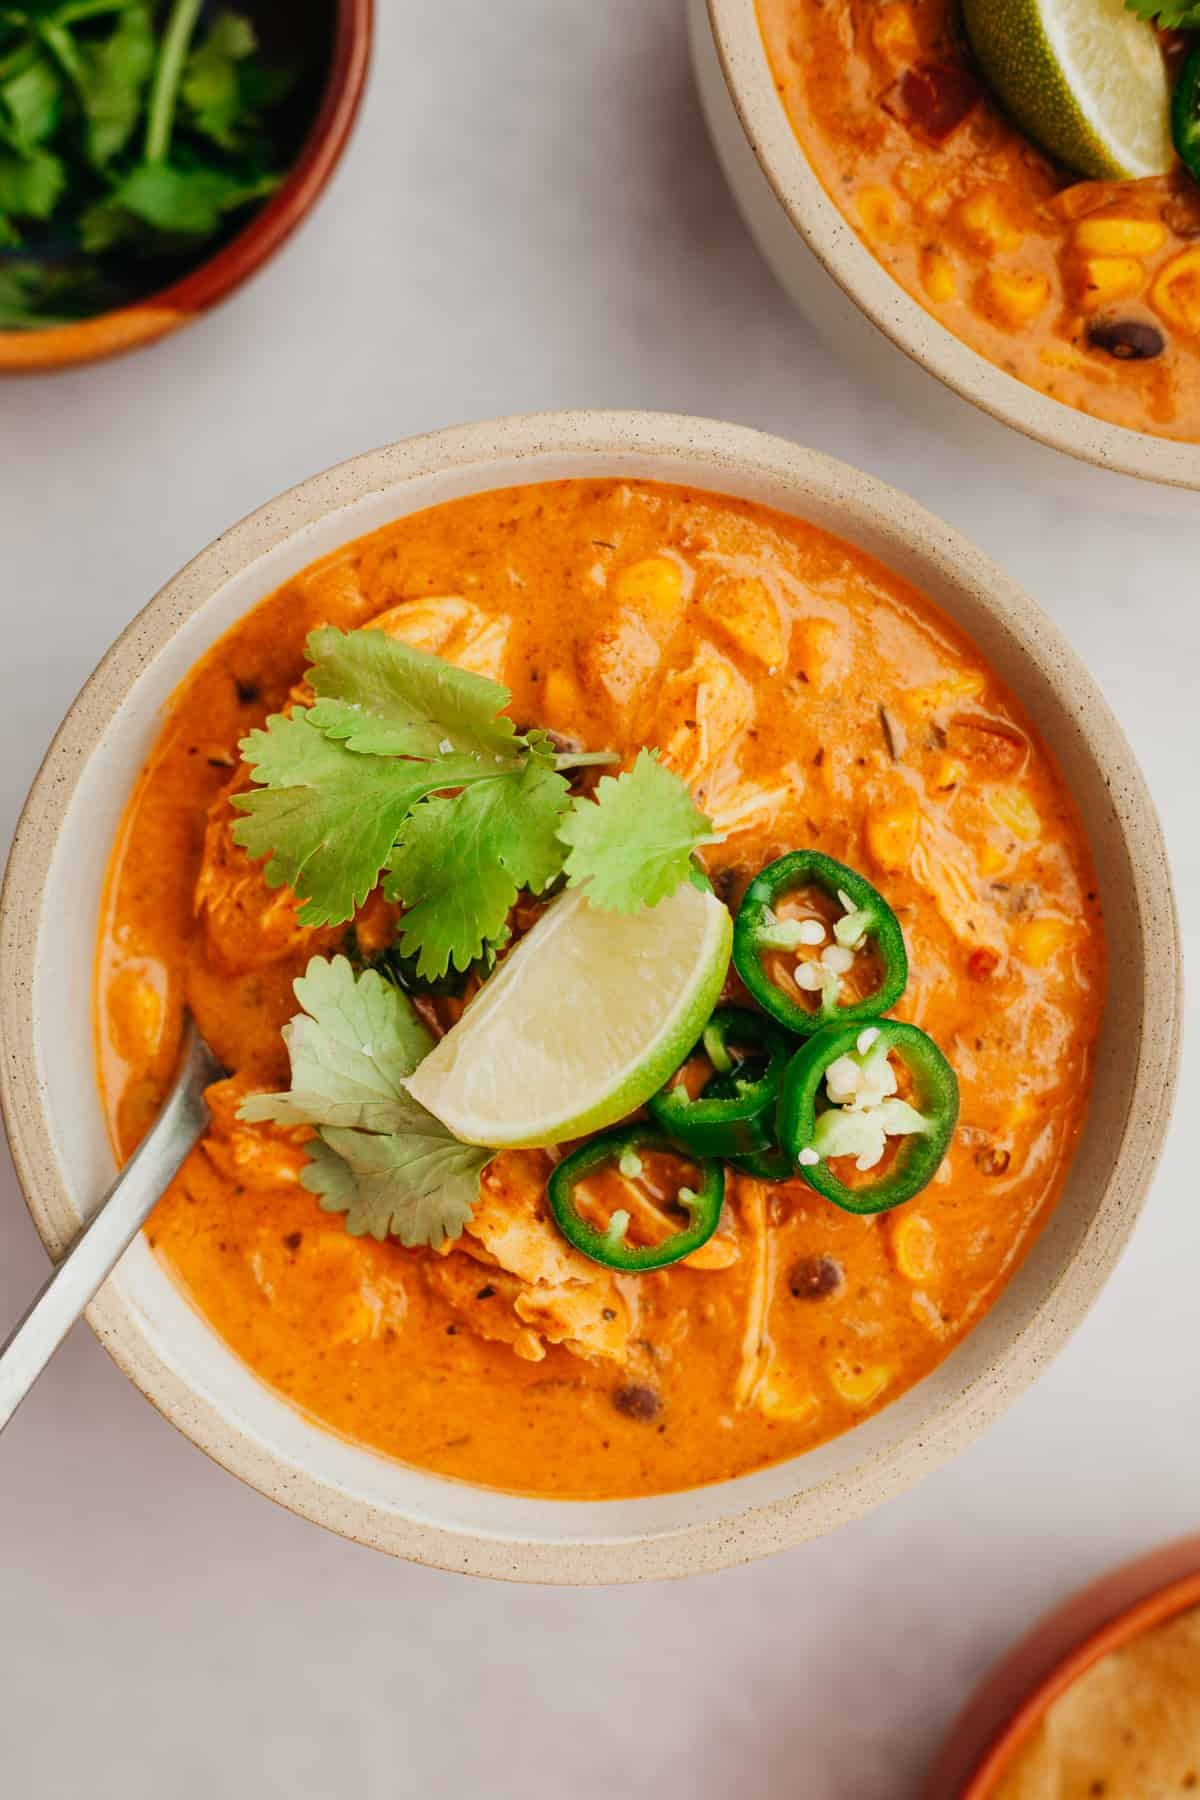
1128,1729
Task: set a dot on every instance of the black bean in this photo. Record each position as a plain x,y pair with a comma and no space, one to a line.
247,692
1129,340
636,1402
293,1240
815,1277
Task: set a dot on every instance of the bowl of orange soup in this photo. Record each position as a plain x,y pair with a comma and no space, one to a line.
904,208
697,975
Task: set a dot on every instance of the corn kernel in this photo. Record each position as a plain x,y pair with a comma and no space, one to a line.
1103,279
1040,940
895,31
857,1385
990,860
1176,292
778,1401
562,700
816,643
938,277
879,212
985,219
1120,237
745,608
135,1011
1017,295
654,588
924,701
914,1245
1016,812
892,833
949,773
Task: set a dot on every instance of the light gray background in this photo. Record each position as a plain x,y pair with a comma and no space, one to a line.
530,216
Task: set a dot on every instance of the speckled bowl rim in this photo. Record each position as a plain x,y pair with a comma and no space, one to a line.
893,527
902,320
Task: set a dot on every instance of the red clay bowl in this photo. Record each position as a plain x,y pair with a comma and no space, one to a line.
145,321
1014,1698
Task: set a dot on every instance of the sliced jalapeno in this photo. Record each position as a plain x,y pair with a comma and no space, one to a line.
734,1113
610,1244
865,918
1185,112
839,1098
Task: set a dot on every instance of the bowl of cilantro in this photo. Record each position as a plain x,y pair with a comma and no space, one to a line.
154,154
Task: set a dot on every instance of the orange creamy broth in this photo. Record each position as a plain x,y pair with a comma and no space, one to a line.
766,658
1014,255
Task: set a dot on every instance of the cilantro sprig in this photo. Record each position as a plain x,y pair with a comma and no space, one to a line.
408,771
130,131
1168,15
378,1156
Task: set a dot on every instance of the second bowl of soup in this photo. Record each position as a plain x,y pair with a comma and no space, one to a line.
866,145
696,973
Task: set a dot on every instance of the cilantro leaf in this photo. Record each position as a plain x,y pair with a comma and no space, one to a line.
350,1049
326,818
30,103
384,698
173,202
379,1157
112,80
460,863
211,88
633,844
1168,15
31,183
418,1186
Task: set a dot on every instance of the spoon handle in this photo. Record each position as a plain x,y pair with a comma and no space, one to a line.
103,1241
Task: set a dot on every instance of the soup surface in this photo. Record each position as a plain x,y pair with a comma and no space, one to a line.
810,698
1086,290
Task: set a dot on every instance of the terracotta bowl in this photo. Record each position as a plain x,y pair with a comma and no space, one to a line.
48,914
867,316
998,1720
146,321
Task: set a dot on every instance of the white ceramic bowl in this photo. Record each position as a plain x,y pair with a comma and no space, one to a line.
48,915
868,317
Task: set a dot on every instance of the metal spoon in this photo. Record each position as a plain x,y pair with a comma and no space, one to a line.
104,1240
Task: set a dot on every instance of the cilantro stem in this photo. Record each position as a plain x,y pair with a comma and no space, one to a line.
584,759
168,74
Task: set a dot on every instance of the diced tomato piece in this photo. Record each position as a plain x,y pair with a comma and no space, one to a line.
933,98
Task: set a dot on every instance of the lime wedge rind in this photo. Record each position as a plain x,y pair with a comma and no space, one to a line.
586,1018
1085,79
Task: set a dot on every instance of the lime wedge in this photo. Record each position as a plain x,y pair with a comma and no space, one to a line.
584,1020
1085,79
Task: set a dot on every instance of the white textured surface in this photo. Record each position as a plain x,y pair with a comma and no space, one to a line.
530,217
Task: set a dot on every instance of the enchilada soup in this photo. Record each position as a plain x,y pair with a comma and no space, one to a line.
811,701
1088,290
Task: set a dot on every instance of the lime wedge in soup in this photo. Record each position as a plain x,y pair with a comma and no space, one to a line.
583,1021
1085,79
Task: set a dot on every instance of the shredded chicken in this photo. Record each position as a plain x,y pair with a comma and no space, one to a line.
263,1155
756,1348
704,708
246,923
447,625
560,1295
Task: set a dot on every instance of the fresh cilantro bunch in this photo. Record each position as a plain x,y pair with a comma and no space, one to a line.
130,130
408,771
1168,15
378,1156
